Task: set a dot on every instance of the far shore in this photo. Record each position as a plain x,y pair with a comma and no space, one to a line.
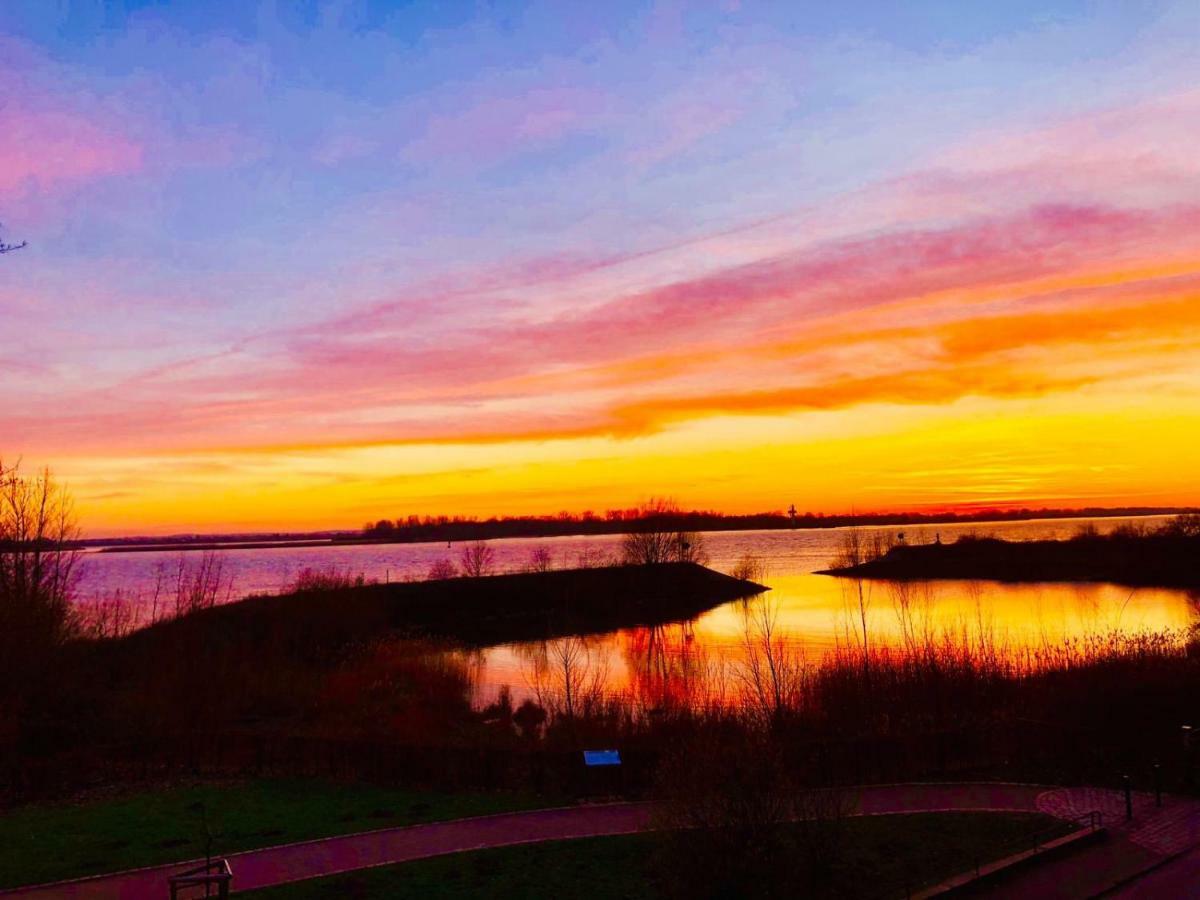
534,528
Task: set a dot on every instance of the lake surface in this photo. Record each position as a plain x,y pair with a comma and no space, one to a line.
812,613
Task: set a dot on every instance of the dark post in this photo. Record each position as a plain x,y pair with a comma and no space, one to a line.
1128,798
1157,784
1186,732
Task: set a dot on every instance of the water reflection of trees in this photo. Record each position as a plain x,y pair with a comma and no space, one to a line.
765,666
669,668
399,687
568,675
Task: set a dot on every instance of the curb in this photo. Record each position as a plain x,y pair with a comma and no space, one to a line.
1138,876
970,879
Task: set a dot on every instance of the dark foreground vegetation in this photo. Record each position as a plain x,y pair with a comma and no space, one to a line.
1167,556
877,857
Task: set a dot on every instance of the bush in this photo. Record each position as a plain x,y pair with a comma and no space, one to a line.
750,568
441,570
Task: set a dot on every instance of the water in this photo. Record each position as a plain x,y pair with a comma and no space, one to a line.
814,612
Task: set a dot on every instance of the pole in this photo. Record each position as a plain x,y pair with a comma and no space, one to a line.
1128,798
1157,784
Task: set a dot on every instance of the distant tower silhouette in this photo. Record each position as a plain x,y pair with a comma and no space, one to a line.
792,513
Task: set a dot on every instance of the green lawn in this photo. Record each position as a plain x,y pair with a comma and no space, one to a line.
879,856
48,843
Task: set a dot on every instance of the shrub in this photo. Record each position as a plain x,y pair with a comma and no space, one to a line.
441,570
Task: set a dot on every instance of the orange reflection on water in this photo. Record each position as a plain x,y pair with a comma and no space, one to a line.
814,615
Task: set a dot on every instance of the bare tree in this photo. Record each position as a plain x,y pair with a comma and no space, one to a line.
568,677
201,586
541,559
109,617
657,538
856,550
771,671
477,560
38,567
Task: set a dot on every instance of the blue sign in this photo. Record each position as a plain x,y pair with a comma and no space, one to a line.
601,758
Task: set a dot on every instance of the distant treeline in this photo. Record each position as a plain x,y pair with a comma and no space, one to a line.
415,529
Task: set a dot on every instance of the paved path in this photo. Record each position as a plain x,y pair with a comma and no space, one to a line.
293,862
309,859
1178,879
1132,859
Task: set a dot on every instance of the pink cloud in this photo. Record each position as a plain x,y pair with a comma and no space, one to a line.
372,383
45,148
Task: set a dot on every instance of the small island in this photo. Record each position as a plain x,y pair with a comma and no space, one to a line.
1168,556
476,612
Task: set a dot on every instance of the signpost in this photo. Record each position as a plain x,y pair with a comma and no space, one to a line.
603,774
601,757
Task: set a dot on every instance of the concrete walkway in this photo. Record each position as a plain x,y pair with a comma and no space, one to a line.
1133,860
1178,879
1157,833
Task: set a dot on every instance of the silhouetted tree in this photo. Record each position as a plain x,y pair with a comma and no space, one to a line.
38,562
750,568
541,560
654,540
477,560
569,677
771,671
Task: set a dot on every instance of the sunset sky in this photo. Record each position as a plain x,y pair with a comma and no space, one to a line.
298,265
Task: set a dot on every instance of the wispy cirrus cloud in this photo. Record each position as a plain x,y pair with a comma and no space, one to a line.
918,317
